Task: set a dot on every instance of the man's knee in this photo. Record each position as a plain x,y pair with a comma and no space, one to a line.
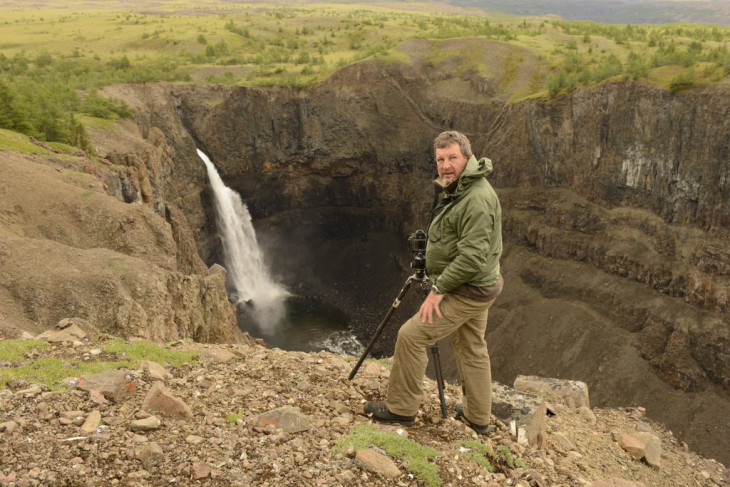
412,333
406,332
473,355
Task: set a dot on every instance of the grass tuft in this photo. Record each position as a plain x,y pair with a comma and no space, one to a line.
138,350
17,350
415,455
479,453
234,417
500,459
23,363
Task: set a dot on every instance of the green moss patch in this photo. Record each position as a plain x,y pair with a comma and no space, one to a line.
415,455
33,361
500,459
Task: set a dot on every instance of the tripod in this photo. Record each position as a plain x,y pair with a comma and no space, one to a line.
421,278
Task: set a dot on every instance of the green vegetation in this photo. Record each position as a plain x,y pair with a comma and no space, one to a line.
682,81
28,360
55,62
416,456
501,460
610,51
138,350
234,417
13,141
17,350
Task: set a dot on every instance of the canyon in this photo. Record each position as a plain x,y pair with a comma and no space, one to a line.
616,223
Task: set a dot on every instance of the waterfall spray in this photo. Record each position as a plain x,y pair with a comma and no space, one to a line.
248,278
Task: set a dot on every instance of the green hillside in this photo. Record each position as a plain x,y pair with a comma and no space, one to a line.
52,60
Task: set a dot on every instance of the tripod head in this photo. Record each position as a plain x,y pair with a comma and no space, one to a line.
417,244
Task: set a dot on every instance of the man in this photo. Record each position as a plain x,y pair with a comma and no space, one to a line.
462,259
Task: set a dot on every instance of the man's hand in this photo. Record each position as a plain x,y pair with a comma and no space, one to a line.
431,306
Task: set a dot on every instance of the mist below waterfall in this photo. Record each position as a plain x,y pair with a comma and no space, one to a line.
249,282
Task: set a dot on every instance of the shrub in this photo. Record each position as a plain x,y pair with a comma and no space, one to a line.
608,67
13,114
556,83
682,81
109,108
636,66
120,63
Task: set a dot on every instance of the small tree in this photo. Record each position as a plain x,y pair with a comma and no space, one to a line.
636,66
682,81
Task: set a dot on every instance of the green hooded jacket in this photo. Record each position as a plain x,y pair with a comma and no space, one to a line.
465,235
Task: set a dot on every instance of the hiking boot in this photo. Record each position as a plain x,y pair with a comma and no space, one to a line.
482,430
379,412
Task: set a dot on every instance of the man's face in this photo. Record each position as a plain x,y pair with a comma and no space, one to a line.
450,162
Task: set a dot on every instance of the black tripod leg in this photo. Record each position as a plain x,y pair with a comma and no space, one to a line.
380,328
439,377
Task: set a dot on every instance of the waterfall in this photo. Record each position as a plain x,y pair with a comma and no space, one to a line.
248,279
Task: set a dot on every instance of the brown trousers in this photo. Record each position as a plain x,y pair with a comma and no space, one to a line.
465,321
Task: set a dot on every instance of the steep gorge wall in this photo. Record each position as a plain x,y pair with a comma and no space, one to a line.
617,144
349,144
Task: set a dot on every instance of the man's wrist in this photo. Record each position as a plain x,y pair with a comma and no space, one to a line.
435,289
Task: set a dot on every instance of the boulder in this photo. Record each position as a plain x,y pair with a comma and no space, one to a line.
91,422
572,393
524,413
114,385
68,334
153,370
642,445
146,424
150,455
377,463
217,355
289,419
161,401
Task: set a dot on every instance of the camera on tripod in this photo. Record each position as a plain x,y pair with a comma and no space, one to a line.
417,241
417,245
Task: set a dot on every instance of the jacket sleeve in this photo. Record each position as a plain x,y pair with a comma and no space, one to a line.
474,228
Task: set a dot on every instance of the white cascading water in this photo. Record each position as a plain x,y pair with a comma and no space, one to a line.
247,274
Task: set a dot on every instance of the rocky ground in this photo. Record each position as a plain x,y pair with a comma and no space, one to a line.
248,415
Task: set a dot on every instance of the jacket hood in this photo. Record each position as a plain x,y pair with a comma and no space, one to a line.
476,169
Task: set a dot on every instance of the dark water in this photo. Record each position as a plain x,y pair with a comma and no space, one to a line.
309,325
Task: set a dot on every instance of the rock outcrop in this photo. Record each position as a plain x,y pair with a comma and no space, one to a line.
68,249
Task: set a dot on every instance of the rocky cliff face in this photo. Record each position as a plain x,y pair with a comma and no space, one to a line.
70,249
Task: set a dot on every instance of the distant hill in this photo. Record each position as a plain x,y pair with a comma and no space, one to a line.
614,12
